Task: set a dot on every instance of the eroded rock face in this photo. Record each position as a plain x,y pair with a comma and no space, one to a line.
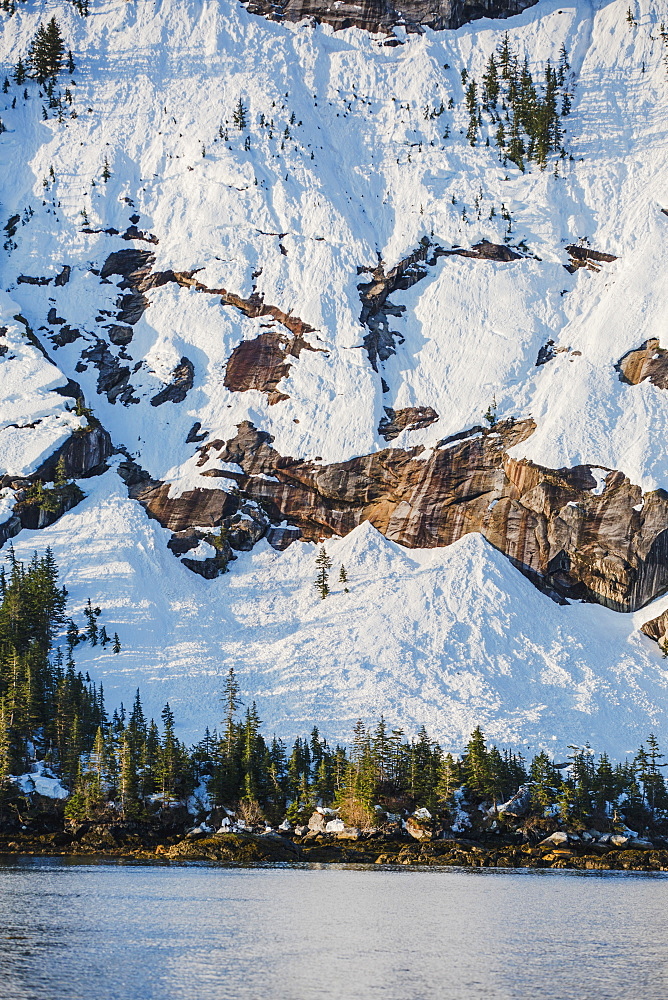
381,15
586,257
262,363
657,629
255,364
649,361
411,418
555,525
179,386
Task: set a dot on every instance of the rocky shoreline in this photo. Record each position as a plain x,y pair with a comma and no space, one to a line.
245,848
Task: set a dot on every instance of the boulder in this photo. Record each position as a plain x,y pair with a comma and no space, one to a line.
418,829
557,839
317,823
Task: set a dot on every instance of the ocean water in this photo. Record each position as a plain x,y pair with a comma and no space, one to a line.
107,931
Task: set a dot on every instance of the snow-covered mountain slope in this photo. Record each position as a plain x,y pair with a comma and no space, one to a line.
449,638
250,246
154,83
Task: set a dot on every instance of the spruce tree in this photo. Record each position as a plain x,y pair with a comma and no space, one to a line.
168,755
343,578
240,116
20,72
46,52
324,564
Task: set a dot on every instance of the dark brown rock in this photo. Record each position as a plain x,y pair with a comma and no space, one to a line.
64,276
261,363
566,538
84,454
586,257
649,361
120,335
25,279
235,848
181,382
379,343
657,629
411,418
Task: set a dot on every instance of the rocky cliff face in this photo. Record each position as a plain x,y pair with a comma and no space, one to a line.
582,533
383,16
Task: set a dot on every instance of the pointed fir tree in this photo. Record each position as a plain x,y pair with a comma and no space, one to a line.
45,57
20,72
240,116
324,564
343,578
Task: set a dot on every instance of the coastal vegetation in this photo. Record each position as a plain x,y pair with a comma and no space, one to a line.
121,767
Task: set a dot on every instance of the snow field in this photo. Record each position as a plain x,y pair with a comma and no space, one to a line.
449,638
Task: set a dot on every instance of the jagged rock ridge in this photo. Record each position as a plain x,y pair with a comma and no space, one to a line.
382,16
581,533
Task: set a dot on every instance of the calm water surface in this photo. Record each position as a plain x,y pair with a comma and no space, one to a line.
113,932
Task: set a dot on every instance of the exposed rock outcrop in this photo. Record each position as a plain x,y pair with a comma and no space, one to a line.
113,378
261,363
380,342
556,526
649,361
254,364
657,629
180,384
85,454
411,418
586,257
382,16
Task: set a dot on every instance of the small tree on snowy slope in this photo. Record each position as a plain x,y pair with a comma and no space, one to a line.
343,578
240,117
324,564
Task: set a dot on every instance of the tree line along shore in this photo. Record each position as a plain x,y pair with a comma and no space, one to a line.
76,778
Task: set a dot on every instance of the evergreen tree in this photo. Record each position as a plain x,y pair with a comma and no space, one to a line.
324,564
240,116
545,779
127,777
168,756
20,72
490,84
5,745
343,578
472,108
477,770
449,779
46,52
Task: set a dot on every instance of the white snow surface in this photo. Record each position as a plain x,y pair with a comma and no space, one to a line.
156,80
41,782
449,638
446,637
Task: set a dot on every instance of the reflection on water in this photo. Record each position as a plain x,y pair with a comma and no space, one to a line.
114,932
